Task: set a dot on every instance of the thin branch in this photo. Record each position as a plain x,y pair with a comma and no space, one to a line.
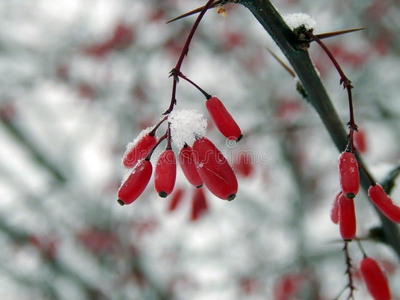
199,9
350,284
174,73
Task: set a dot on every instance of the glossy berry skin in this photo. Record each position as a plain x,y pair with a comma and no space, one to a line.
214,169
349,174
165,173
188,166
199,204
139,151
335,209
375,279
137,181
223,119
384,203
347,218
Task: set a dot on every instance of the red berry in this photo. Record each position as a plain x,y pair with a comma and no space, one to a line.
289,286
244,164
360,141
335,209
165,173
199,204
384,203
375,279
347,218
348,174
139,150
175,199
214,169
122,37
137,181
188,166
223,119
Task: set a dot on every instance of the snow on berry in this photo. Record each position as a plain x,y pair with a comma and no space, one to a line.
186,125
298,19
139,148
136,182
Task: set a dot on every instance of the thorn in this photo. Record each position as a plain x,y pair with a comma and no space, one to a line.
335,33
285,66
194,11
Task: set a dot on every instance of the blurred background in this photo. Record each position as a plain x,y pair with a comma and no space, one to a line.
79,80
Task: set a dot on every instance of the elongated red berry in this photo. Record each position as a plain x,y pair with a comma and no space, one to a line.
135,184
347,218
384,203
176,198
214,169
335,209
375,279
165,173
199,204
244,164
138,149
188,166
223,119
349,174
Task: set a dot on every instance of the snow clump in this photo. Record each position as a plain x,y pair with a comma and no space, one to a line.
298,19
186,125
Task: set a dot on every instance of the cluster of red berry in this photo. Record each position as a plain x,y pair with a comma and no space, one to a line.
201,163
343,212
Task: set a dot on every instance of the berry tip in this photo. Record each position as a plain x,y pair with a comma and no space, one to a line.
231,197
163,194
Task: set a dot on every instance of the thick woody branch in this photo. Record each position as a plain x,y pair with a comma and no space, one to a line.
317,96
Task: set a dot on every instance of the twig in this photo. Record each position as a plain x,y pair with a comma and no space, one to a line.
175,71
350,285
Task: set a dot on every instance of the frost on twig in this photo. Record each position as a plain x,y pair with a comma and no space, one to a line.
297,20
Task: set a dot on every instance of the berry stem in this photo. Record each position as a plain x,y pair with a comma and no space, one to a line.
366,172
361,247
153,131
175,71
148,157
207,95
346,84
169,146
